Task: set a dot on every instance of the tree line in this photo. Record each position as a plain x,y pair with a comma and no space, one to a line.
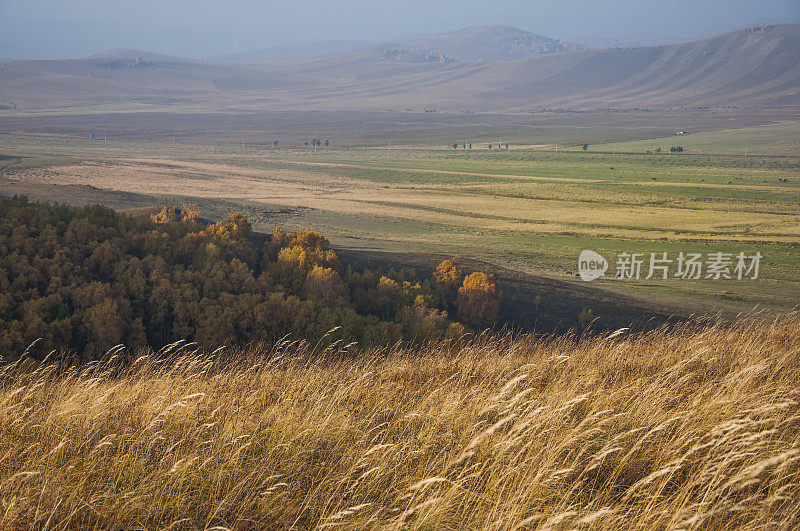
88,278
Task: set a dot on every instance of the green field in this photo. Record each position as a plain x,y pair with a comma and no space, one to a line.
531,210
782,139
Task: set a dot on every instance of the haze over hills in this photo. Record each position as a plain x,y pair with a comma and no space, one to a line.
483,43
756,67
491,43
130,53
289,50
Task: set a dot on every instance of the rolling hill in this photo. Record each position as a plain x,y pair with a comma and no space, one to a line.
755,68
131,53
475,44
491,43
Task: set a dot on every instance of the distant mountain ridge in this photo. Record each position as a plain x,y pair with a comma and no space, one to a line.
754,67
491,43
481,43
132,53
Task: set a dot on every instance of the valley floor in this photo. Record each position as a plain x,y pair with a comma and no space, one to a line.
524,209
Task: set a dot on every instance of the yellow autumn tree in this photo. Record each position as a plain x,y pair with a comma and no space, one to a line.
186,213
388,293
166,215
275,243
448,276
302,251
324,285
479,300
190,213
308,239
230,238
301,259
234,228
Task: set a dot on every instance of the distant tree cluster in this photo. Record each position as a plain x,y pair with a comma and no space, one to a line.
186,213
516,41
89,278
415,56
114,64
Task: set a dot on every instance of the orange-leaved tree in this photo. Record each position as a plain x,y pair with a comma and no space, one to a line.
323,284
190,213
297,255
187,213
448,276
479,300
231,238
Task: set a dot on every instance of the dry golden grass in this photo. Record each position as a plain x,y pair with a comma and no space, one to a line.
693,427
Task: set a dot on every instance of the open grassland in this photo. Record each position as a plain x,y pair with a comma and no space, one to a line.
691,427
146,123
530,210
780,139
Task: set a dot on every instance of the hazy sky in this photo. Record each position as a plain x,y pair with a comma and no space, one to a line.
203,28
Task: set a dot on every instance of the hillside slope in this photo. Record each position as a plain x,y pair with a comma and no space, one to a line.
693,427
758,67
748,67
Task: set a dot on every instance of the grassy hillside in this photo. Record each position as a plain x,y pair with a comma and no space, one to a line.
694,427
